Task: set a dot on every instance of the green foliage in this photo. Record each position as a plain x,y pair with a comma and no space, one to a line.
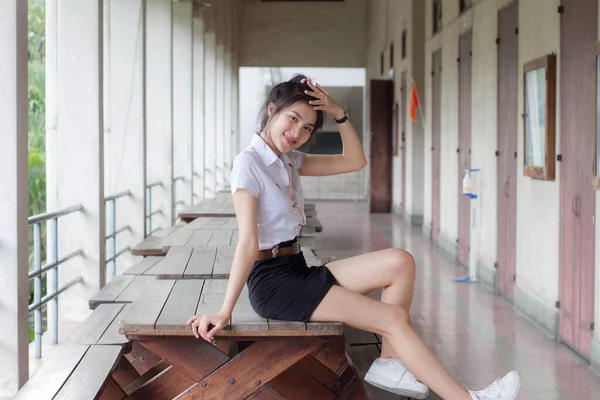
37,125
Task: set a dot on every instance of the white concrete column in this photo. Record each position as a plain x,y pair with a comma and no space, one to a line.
124,129
210,102
235,115
159,112
75,147
227,91
182,103
198,105
14,288
220,10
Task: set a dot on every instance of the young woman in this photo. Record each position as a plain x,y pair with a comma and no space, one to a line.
267,195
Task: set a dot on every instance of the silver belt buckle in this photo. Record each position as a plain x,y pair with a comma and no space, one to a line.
296,248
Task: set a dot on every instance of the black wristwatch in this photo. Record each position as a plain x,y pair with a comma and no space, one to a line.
343,119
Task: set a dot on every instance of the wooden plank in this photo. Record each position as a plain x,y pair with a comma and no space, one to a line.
134,289
221,237
111,290
143,314
215,223
112,334
294,382
245,319
94,326
112,391
234,238
198,223
223,263
53,373
154,270
333,354
175,263
181,304
266,393
177,238
143,266
253,368
200,237
91,373
231,223
151,246
277,326
167,385
201,263
318,371
194,357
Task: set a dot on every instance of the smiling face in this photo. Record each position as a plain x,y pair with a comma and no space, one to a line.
291,127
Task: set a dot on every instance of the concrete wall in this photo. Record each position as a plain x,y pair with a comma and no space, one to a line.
332,34
538,215
387,20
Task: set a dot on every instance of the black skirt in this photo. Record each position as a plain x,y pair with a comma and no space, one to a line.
286,289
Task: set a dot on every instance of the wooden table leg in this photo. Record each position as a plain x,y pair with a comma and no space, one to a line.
253,368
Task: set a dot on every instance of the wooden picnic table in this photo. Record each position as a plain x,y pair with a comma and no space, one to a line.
253,357
222,206
203,231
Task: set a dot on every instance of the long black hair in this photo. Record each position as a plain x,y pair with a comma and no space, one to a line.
286,94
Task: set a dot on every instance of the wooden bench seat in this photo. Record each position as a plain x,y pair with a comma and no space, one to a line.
192,262
168,304
121,289
148,266
75,371
101,327
204,232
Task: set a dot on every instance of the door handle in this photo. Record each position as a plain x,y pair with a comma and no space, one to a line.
575,203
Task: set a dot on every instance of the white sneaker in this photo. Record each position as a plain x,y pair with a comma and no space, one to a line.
391,375
506,388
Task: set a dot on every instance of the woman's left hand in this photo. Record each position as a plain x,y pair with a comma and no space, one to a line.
325,102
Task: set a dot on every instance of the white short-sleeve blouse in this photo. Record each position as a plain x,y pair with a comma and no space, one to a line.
258,170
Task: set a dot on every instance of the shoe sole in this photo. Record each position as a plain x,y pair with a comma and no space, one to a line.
380,382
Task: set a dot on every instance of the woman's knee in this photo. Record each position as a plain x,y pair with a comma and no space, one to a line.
403,262
398,319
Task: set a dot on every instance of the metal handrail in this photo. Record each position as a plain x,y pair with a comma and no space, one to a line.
37,219
149,212
151,185
51,268
55,264
122,251
118,195
46,299
110,204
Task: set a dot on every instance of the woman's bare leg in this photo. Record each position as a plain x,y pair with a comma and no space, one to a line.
392,322
391,269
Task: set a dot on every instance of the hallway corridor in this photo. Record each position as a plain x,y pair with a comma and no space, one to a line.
476,335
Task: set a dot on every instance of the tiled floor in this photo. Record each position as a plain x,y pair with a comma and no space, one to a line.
476,335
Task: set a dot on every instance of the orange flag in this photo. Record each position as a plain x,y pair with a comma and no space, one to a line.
414,103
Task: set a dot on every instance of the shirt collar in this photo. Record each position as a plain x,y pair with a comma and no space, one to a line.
262,148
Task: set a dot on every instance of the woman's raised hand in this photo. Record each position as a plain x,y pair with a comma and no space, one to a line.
207,326
325,102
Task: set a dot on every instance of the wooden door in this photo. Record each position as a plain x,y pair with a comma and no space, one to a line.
579,30
382,101
508,96
464,144
436,147
403,112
